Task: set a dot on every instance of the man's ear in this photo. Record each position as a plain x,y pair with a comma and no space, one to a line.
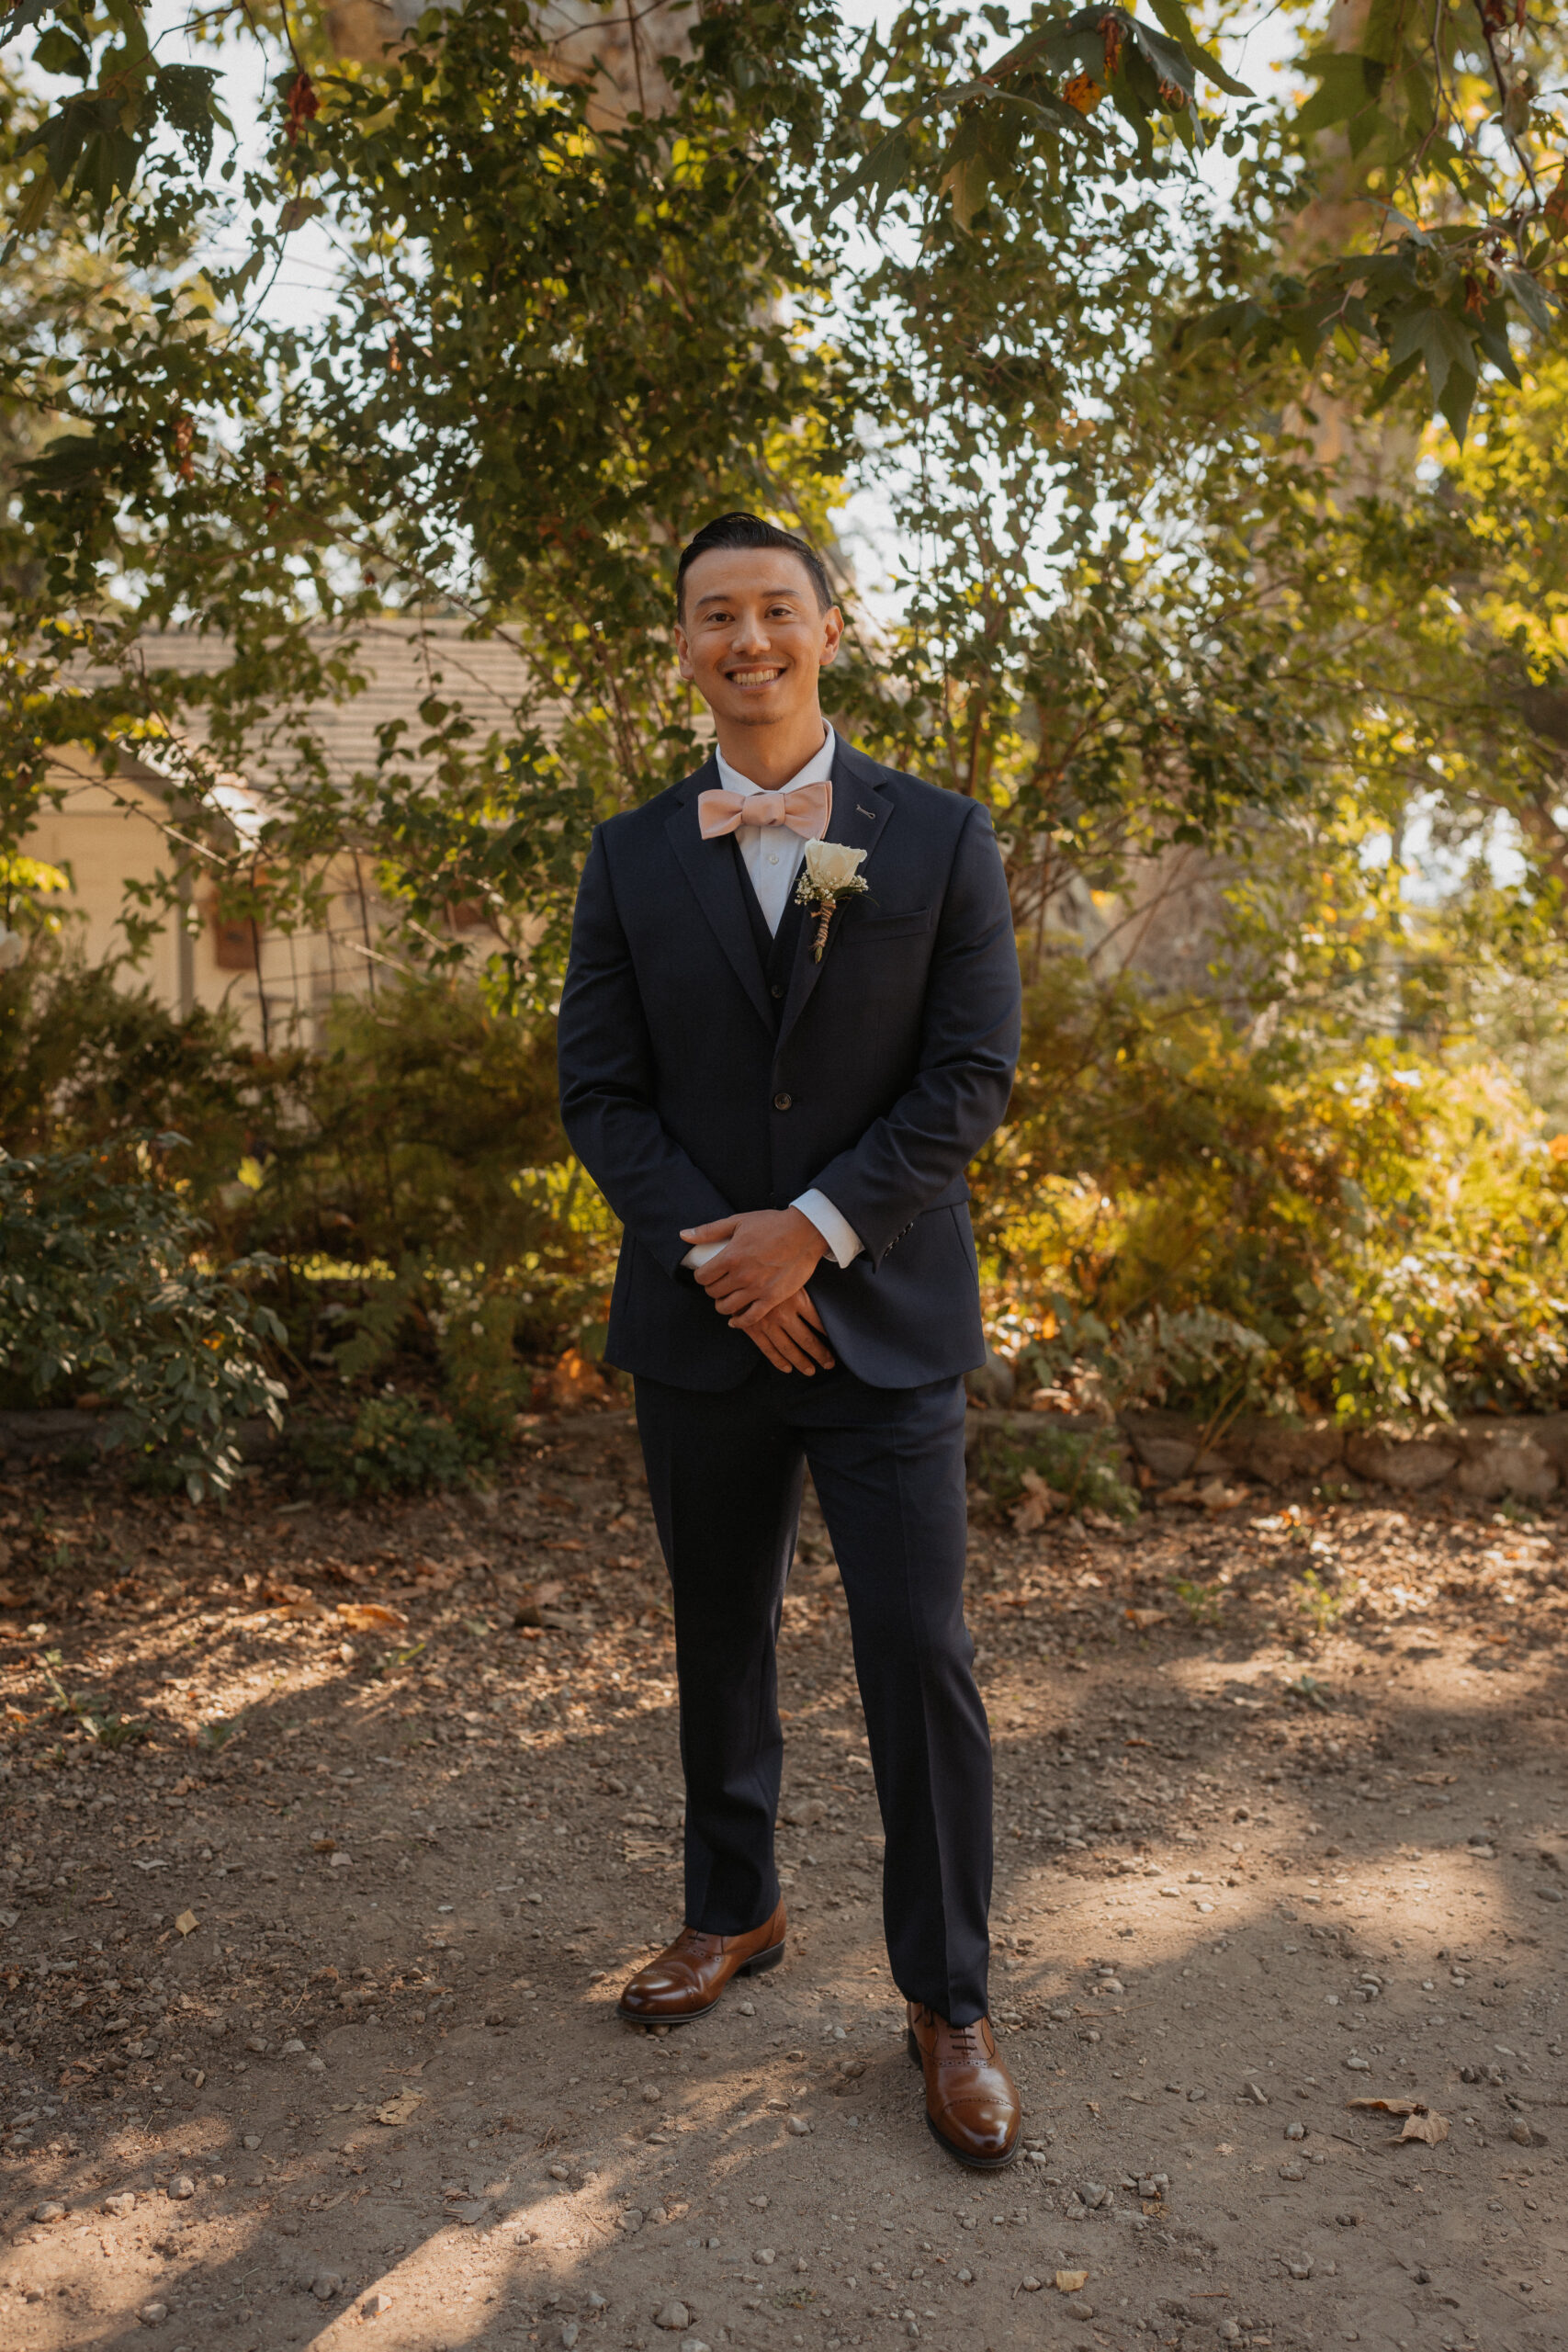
833,634
683,654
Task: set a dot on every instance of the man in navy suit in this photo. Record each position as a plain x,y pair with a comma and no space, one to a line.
781,1116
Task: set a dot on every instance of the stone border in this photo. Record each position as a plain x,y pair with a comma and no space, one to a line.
1487,1457
45,1436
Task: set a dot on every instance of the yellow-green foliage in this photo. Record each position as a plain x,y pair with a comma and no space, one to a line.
1365,1229
429,1143
1392,1225
411,1170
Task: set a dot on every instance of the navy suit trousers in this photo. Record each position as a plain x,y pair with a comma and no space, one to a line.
725,1472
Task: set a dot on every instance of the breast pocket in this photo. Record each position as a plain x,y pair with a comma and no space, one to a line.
875,928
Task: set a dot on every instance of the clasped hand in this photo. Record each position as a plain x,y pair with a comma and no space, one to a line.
757,1281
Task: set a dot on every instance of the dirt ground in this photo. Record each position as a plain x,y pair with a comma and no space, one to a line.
1279,1829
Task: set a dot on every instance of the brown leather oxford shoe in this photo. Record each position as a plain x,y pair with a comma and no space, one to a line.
971,2102
688,1976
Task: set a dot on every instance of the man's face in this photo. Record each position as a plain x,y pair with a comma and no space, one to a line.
753,639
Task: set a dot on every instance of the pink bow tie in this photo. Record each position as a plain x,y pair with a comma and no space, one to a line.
804,809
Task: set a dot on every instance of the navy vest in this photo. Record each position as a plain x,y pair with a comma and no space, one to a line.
775,949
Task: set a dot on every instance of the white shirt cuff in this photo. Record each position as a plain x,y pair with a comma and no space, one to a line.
844,1243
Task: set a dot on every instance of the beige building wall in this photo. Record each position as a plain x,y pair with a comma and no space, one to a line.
109,836
110,833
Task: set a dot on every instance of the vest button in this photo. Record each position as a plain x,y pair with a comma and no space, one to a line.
777,987
782,1102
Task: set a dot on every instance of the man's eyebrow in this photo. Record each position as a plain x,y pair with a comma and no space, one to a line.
717,597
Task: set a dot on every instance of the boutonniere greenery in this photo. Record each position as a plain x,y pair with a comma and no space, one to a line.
830,875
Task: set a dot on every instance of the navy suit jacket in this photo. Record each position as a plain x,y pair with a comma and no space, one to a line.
688,1094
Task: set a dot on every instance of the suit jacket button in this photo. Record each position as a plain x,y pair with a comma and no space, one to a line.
782,1102
777,987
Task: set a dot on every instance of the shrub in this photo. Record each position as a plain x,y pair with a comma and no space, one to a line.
102,1288
1205,1357
88,1061
393,1447
409,1129
1083,1465
1371,1230
1204,1603
423,1133
1174,1212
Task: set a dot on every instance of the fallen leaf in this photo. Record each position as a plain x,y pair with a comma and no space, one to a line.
400,2107
1070,2282
349,1572
1431,2129
1141,1621
438,1574
11,1599
1421,2122
323,1845
188,1923
1433,1780
279,1595
364,1616
1039,1501
575,1380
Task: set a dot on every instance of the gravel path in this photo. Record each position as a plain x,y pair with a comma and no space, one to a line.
308,2020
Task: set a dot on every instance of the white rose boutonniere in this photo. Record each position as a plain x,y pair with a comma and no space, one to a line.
831,872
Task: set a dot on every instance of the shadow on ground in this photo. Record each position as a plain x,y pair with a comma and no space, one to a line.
320,1972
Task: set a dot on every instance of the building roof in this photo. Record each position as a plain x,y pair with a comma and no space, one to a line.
402,660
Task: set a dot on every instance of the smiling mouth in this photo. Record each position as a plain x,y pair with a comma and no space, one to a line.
753,677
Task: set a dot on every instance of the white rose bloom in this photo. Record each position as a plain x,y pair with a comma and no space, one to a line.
832,864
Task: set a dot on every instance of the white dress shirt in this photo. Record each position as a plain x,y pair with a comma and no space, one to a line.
773,857
772,853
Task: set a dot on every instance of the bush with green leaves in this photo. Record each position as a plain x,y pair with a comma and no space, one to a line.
1083,1465
1209,1360
392,1447
408,1174
103,1289
1176,1213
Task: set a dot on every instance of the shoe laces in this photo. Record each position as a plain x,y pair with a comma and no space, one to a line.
697,1942
966,2048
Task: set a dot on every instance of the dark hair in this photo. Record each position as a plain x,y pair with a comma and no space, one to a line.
750,531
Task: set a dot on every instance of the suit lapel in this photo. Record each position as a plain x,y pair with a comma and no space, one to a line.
714,873
860,810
